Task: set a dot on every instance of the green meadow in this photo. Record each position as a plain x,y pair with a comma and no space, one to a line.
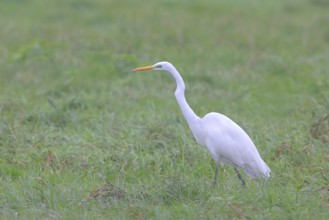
82,137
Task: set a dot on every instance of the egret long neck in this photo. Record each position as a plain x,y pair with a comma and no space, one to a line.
189,114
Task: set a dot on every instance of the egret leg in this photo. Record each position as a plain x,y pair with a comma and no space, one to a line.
214,182
240,177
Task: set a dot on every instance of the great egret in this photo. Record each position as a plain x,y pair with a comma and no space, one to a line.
226,141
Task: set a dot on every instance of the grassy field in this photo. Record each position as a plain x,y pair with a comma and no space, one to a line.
83,138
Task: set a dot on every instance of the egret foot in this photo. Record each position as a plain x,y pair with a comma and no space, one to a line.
240,177
214,182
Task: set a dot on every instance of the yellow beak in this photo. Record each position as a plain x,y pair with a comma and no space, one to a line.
144,68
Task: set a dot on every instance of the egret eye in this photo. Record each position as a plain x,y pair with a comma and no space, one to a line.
158,66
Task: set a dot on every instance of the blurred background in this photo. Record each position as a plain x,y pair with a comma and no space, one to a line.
73,118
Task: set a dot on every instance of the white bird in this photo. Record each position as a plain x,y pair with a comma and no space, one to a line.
226,141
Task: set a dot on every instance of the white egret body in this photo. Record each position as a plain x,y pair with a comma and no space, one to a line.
226,141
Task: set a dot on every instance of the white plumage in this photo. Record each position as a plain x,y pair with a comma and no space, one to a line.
226,141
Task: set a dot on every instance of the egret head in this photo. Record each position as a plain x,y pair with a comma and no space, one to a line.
163,65
166,66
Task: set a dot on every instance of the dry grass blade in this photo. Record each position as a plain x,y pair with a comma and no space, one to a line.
106,193
320,129
53,163
283,148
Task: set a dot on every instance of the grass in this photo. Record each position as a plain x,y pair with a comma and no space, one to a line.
82,138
